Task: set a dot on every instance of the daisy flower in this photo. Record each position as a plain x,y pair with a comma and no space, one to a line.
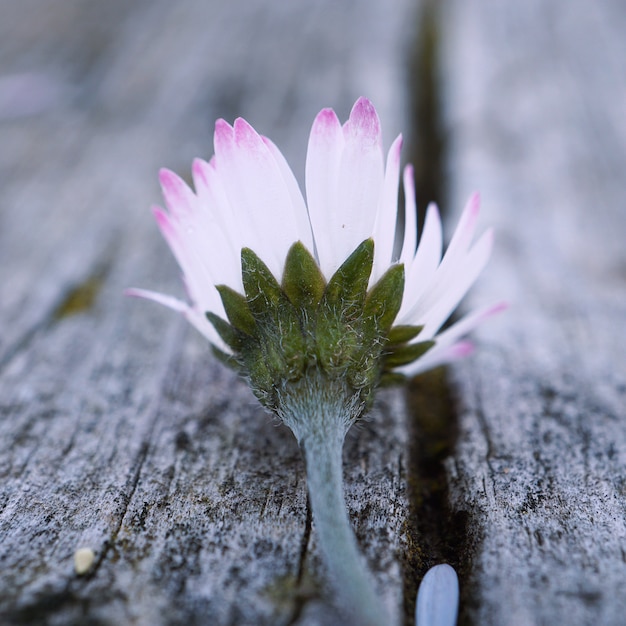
318,302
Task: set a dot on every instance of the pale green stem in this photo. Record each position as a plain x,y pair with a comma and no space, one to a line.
320,410
347,567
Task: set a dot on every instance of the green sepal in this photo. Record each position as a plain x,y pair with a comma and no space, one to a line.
262,290
232,337
364,371
280,333
227,359
279,329
380,309
335,341
262,369
303,281
347,288
402,334
338,334
408,353
384,299
237,310
389,379
286,340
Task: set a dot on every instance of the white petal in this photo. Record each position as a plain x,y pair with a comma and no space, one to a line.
424,285
468,323
197,319
409,244
448,290
198,280
463,233
192,315
387,213
361,175
203,243
169,301
437,356
257,192
421,270
195,272
178,197
301,214
326,144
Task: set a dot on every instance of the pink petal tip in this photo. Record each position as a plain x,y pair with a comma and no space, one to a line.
461,350
198,169
245,136
162,218
325,124
473,204
175,189
364,121
223,135
498,308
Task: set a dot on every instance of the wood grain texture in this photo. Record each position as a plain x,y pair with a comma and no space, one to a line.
118,430
534,114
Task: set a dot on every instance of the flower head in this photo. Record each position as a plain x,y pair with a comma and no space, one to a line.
286,289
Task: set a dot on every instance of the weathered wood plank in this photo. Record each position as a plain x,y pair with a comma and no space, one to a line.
534,95
118,430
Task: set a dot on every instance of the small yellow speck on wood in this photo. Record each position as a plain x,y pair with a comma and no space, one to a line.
83,560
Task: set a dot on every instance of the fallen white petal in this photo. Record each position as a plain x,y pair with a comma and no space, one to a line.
438,597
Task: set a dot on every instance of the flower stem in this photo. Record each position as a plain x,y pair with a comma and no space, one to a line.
339,547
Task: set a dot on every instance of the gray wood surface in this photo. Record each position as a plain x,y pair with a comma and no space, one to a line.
535,115
119,431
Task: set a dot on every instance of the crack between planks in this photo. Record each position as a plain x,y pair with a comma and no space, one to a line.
304,543
302,596
427,146
435,532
